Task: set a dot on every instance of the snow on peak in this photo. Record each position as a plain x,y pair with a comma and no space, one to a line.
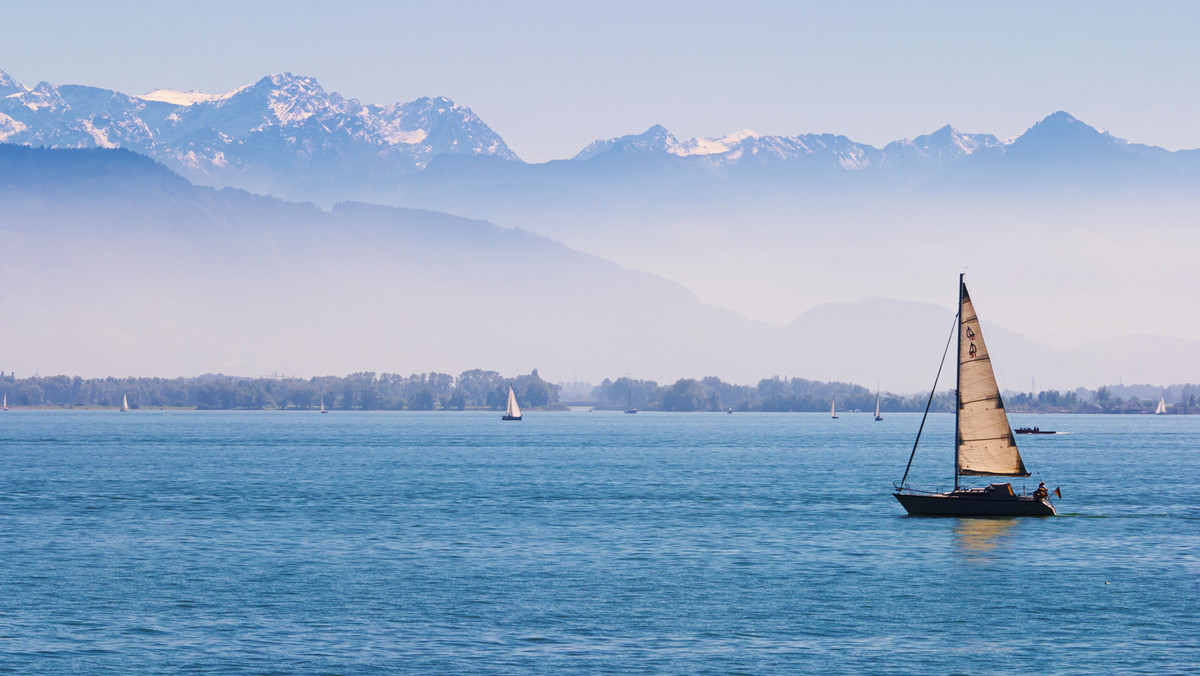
655,138
714,146
177,97
392,135
43,96
947,143
9,86
189,97
10,127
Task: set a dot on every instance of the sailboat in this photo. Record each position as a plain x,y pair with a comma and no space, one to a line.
1162,406
323,406
513,412
984,442
630,408
6,402
124,403
833,409
877,416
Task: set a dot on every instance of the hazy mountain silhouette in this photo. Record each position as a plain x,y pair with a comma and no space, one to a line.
117,266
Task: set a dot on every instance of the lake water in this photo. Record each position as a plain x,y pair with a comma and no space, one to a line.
453,543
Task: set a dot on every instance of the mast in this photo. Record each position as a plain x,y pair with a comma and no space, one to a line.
958,380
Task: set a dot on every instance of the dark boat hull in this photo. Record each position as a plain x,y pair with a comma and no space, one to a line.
974,504
510,417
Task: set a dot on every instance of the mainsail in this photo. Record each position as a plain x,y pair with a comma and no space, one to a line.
986,445
513,411
1162,406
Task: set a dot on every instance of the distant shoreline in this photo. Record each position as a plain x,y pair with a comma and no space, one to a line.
562,409
483,390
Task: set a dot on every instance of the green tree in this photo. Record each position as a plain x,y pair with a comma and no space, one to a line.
685,395
422,401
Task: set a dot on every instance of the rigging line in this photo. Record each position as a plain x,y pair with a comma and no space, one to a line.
953,332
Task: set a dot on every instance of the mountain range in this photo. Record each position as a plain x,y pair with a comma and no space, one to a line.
282,134
117,266
285,135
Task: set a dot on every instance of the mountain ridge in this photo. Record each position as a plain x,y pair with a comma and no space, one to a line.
279,134
286,135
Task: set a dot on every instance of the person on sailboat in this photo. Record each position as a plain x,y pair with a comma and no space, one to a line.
1041,493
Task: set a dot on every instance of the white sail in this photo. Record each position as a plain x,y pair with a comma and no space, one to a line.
322,406
513,410
6,402
833,408
985,441
124,402
876,404
1162,406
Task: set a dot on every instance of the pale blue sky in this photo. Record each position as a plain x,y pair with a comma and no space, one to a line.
551,77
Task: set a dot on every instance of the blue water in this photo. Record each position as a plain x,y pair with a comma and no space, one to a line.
453,543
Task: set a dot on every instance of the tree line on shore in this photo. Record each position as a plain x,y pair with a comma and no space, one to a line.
475,389
478,389
1102,400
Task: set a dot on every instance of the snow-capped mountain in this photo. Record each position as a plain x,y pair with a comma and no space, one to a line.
944,145
1057,138
9,85
282,134
656,138
744,147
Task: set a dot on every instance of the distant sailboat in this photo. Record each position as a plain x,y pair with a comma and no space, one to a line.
833,409
877,416
984,442
6,402
124,403
1162,407
323,406
629,406
513,412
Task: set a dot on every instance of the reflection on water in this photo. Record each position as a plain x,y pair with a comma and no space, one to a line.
977,539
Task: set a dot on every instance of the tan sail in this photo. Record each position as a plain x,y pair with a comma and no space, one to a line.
985,441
